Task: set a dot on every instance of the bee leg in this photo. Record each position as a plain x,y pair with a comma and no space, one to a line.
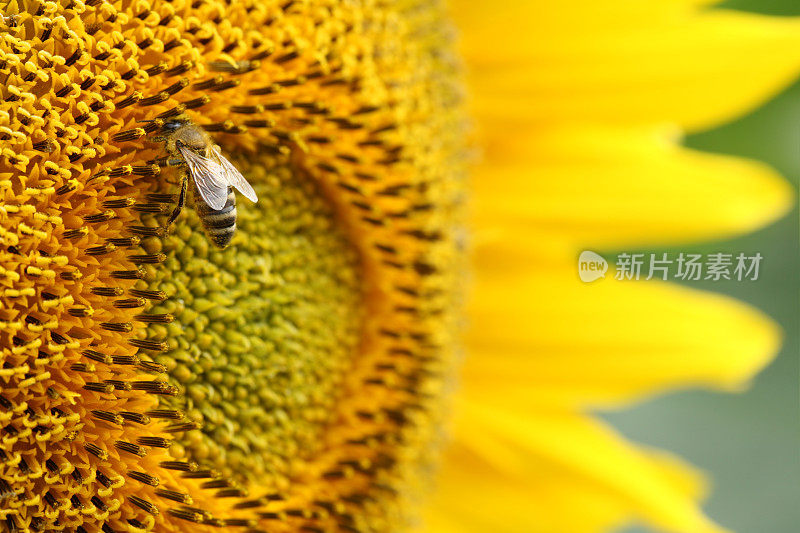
171,163
181,201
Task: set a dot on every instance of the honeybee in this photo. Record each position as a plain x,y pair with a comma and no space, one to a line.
214,177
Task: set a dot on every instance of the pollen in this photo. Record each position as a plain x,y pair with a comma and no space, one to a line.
292,382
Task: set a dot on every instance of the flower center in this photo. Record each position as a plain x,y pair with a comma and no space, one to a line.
263,330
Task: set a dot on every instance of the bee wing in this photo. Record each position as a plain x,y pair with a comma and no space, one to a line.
234,178
208,177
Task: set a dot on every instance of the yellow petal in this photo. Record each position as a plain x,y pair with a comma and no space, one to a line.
623,62
546,338
607,187
473,496
558,472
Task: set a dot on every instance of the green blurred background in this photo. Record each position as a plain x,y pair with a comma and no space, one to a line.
748,443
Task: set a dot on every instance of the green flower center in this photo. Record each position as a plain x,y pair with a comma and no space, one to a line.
264,330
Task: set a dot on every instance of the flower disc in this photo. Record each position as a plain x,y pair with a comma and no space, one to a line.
292,382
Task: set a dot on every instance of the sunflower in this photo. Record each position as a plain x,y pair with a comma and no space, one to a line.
298,380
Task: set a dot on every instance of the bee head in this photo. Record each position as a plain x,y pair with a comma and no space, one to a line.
170,125
174,124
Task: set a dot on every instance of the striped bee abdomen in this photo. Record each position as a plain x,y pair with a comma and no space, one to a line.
219,225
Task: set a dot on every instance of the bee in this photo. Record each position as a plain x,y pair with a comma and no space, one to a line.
214,177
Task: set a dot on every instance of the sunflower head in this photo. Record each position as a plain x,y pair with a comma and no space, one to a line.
289,382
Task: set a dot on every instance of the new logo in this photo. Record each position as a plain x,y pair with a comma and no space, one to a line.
591,266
